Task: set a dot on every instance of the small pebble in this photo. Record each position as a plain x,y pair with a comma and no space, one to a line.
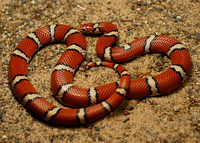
81,68
94,136
128,33
100,138
152,134
149,66
17,120
152,102
23,1
132,7
1,114
3,104
20,114
2,46
33,2
198,90
190,91
176,108
125,119
128,127
70,137
129,28
4,137
198,36
131,107
149,2
97,128
126,112
89,56
94,69
7,62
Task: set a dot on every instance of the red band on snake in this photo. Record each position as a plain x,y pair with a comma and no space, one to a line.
71,95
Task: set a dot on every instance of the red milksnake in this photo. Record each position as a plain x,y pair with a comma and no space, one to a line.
107,96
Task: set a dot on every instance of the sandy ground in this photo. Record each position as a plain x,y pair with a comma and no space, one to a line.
172,118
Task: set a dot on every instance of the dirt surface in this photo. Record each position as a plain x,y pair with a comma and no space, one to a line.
173,117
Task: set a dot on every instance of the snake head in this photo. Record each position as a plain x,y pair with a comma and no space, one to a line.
86,28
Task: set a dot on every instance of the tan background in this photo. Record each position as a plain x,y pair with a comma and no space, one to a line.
173,118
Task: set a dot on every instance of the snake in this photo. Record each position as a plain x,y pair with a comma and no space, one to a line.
90,104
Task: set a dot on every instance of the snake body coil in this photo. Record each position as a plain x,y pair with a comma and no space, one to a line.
101,99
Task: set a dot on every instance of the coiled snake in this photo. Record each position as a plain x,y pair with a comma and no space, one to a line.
94,102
